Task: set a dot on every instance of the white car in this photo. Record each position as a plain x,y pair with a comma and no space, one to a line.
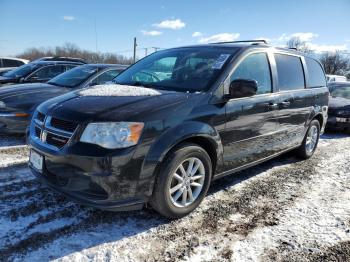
9,63
336,78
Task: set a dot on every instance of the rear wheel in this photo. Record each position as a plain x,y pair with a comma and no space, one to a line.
182,182
310,142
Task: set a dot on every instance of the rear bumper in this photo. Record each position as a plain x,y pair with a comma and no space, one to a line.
333,124
13,124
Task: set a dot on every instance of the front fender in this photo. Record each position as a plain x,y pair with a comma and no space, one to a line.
172,137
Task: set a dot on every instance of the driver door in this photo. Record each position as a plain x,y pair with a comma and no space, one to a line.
251,121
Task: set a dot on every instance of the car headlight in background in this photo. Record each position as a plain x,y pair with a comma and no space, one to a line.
113,135
2,104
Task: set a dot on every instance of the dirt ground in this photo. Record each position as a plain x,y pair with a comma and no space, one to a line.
282,210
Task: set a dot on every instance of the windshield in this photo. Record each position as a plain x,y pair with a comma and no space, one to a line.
21,71
74,77
343,92
182,69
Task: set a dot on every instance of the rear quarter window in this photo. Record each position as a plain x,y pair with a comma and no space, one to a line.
290,72
11,63
316,74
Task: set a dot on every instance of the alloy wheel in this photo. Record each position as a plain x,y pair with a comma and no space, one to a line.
311,139
187,182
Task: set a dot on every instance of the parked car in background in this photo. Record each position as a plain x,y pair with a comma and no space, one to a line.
40,71
176,120
9,63
336,78
18,102
339,107
60,58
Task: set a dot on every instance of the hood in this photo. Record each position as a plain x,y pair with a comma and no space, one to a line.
4,80
338,102
26,96
132,104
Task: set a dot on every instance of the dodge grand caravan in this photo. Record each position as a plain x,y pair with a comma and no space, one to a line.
176,120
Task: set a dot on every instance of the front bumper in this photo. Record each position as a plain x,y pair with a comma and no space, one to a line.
333,124
105,181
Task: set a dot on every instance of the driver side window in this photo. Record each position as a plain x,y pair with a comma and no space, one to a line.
255,67
48,72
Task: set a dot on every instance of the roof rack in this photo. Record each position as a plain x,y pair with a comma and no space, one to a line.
244,41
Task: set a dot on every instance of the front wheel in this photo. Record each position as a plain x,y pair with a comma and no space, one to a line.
310,142
182,182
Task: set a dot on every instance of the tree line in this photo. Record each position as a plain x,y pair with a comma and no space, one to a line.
72,50
334,63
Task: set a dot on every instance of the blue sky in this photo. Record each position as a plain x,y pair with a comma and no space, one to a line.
23,24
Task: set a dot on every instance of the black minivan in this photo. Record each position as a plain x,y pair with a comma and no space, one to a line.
176,120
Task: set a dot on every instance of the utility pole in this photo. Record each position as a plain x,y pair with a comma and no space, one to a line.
96,49
135,45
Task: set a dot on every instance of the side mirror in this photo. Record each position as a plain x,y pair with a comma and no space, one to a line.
242,88
31,79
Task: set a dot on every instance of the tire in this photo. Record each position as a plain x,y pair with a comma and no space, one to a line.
306,150
163,200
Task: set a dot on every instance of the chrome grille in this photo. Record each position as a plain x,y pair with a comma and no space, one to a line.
53,131
55,140
40,117
63,124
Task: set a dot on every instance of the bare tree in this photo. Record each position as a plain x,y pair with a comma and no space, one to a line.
72,50
298,44
335,63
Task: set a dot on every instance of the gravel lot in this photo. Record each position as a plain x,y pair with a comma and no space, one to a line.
284,210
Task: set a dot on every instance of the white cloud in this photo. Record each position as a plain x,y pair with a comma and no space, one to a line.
223,37
197,34
151,33
68,18
304,37
171,24
326,48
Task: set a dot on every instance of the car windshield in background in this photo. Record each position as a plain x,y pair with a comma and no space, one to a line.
343,92
21,71
74,77
182,69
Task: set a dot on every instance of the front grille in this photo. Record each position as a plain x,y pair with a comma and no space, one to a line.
37,132
40,117
63,124
53,131
56,140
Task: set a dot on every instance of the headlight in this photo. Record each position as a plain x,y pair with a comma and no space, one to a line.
113,135
2,104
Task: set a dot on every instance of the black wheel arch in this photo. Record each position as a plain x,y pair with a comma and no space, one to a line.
193,132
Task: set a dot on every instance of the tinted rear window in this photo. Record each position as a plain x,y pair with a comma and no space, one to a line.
290,72
316,75
11,63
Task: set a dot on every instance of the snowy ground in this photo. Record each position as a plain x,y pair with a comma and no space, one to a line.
284,210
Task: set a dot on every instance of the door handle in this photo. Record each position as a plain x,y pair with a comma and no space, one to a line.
272,106
285,104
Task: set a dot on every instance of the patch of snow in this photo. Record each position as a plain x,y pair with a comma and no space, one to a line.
319,217
119,90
